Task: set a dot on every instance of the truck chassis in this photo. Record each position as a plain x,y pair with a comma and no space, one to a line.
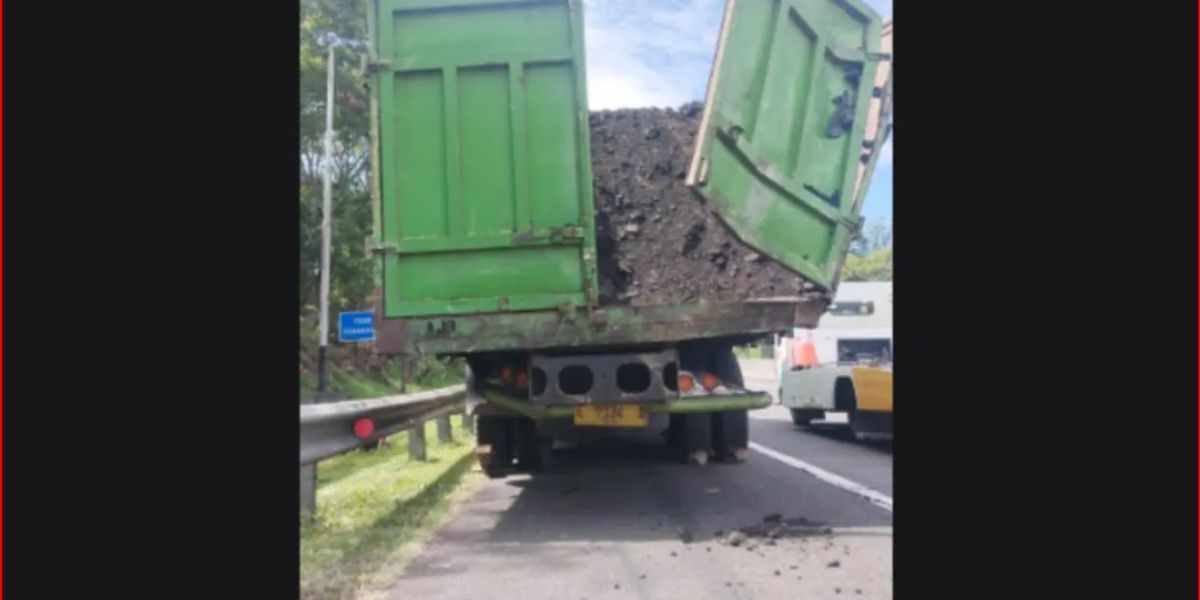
521,399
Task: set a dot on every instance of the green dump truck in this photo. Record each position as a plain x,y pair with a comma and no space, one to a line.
486,225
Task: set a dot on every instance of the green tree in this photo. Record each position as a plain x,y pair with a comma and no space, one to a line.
876,266
870,257
875,236
343,24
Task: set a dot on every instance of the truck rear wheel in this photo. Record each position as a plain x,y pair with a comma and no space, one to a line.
731,429
495,435
731,435
845,400
691,436
533,450
724,434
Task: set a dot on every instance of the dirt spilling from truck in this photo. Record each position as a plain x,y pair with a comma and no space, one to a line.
657,242
773,527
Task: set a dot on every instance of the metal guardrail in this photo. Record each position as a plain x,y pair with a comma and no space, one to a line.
327,430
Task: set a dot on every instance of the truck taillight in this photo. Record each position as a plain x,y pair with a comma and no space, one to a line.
686,382
709,381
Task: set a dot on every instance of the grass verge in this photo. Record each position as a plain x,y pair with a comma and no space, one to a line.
374,382
370,505
749,351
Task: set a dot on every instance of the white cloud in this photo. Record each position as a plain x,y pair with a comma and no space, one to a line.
649,53
654,53
883,7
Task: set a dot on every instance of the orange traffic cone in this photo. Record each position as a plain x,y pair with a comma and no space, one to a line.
804,352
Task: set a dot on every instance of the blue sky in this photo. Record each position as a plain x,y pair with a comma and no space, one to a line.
658,53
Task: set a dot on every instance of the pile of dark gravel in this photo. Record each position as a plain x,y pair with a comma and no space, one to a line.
656,240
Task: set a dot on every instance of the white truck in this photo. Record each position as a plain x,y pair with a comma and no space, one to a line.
847,381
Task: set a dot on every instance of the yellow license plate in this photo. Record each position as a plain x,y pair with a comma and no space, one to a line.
611,415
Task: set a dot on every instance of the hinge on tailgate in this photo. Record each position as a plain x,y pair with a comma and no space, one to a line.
370,67
376,247
566,311
853,225
566,232
702,177
597,319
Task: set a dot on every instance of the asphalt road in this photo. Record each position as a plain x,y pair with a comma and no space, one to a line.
624,521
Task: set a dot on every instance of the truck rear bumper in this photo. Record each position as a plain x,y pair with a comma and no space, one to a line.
715,403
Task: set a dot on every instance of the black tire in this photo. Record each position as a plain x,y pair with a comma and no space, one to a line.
845,400
533,450
730,429
731,435
725,434
800,418
691,433
495,432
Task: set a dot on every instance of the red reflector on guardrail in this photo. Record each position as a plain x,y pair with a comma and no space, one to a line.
363,428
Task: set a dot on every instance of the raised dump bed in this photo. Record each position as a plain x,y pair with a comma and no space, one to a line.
509,217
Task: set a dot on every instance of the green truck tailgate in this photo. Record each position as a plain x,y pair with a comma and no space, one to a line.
782,136
484,159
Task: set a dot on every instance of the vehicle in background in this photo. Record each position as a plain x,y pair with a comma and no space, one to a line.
840,373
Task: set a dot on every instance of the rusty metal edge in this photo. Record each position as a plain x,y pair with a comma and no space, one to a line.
615,326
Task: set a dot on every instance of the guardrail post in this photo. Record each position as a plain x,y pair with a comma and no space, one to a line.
308,473
416,442
405,373
468,422
308,488
443,428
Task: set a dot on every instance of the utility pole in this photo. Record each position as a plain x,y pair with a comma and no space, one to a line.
326,226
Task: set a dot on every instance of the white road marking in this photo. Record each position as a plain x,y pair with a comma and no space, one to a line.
863,531
877,498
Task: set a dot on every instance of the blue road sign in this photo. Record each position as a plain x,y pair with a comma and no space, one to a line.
356,326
